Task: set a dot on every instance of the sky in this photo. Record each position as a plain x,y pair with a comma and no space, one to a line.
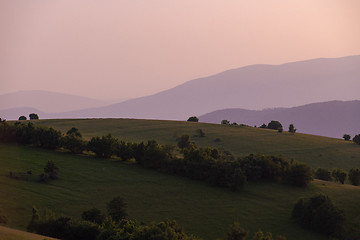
130,48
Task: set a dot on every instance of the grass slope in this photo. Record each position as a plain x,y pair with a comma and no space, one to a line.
87,182
13,234
317,151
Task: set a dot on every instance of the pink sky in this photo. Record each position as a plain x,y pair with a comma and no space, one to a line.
130,48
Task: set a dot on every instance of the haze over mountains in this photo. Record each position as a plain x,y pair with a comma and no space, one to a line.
252,87
332,119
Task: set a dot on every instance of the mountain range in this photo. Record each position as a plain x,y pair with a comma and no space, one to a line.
332,119
252,87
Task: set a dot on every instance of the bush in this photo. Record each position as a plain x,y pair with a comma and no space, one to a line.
323,174
193,119
346,137
354,176
33,116
339,175
356,139
117,209
93,215
299,174
319,214
236,232
275,125
103,147
22,118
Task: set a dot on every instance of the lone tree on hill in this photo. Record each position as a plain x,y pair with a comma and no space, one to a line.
346,137
356,139
193,119
292,129
22,118
275,125
33,116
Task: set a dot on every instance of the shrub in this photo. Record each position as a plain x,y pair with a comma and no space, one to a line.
103,147
356,139
299,174
236,232
117,209
354,176
319,214
22,118
51,170
93,215
346,137
323,174
339,175
33,116
275,125
292,129
225,122
193,119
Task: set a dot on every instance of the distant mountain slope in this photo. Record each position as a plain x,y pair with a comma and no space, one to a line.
332,119
50,102
251,87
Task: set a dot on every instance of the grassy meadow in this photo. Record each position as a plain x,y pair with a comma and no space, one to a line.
87,182
316,151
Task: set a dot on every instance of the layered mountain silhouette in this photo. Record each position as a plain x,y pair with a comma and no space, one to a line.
332,119
252,87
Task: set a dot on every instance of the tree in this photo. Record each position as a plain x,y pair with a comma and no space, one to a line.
51,170
346,137
103,147
93,215
275,125
263,126
117,209
323,174
236,232
225,122
74,131
356,139
319,214
33,116
21,118
193,119
73,141
292,129
184,142
299,174
339,175
354,176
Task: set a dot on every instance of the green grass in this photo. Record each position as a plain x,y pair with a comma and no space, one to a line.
316,151
87,182
13,234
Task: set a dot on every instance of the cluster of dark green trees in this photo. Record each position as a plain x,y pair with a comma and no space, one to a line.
236,232
95,225
32,116
218,168
320,214
356,138
339,175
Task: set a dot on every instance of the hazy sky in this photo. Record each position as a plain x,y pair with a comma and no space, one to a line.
117,48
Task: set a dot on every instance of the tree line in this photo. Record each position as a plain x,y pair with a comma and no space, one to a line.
216,167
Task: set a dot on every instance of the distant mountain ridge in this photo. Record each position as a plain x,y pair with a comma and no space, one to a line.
250,87
332,119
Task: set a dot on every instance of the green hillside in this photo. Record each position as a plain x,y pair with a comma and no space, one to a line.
317,151
87,182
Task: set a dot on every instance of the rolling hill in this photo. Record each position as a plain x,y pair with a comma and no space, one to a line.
251,87
332,119
87,182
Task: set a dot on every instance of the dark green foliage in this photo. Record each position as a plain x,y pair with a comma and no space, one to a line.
152,154
103,147
117,209
356,139
73,143
200,133
263,126
319,214
93,215
74,131
7,132
280,130
47,138
339,175
225,122
354,176
292,129
323,174
275,125
193,119
299,175
346,137
236,232
33,116
126,150
22,118
51,170
184,142
259,235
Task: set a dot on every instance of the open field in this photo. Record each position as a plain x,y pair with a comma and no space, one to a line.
316,151
87,182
